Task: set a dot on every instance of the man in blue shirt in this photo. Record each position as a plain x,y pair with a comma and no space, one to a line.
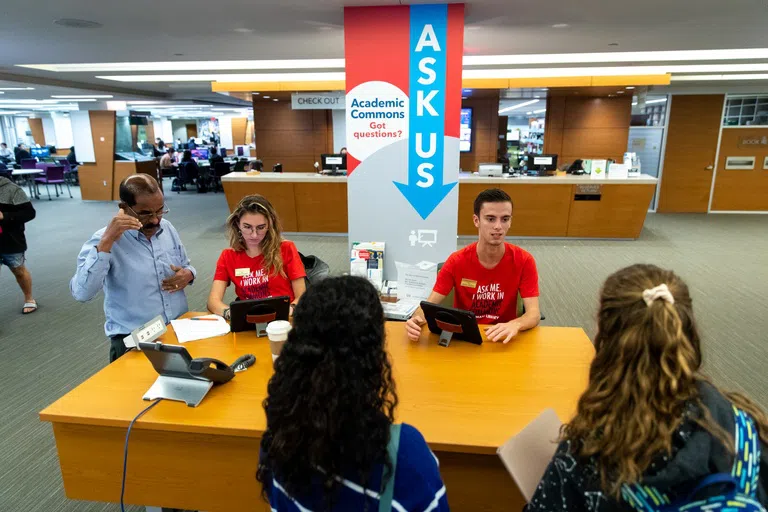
139,262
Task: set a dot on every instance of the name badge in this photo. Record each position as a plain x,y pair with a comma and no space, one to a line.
469,283
242,272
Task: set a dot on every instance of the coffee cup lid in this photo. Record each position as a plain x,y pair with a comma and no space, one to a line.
278,327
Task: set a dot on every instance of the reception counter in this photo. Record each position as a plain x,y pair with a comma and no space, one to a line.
557,206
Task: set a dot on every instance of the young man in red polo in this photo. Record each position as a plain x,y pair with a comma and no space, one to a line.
487,275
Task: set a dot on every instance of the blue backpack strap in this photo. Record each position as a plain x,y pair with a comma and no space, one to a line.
644,498
746,464
385,500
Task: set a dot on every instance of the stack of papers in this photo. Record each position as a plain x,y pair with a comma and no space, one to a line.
191,330
401,310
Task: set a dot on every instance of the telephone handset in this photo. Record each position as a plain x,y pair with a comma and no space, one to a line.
175,361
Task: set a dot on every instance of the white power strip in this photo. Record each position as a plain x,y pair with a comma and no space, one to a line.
147,333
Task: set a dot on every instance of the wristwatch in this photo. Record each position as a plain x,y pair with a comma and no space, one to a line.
227,315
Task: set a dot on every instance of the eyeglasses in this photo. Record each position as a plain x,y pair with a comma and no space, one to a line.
146,216
254,230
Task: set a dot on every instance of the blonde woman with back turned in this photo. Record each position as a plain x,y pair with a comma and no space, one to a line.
650,431
258,261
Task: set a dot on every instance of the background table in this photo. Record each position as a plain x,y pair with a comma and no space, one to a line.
29,175
465,399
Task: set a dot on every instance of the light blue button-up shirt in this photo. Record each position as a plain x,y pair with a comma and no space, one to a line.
131,276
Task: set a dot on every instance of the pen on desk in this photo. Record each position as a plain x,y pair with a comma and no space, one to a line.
203,318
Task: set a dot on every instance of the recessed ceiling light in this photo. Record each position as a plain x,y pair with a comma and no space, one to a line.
537,96
266,97
519,105
275,99
243,30
17,88
333,76
629,87
80,96
77,23
256,93
528,113
619,92
539,111
560,25
707,78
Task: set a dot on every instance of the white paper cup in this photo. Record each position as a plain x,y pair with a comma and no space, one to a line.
277,332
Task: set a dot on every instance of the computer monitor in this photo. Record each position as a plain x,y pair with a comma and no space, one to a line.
334,162
223,152
542,163
40,152
200,154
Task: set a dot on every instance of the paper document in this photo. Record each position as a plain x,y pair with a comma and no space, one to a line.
415,281
191,330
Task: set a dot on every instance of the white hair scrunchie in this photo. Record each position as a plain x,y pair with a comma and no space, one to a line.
660,292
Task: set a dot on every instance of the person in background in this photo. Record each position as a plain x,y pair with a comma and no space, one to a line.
649,423
168,159
178,144
343,151
160,144
72,158
139,261
191,144
214,157
15,211
6,155
487,275
258,261
187,167
330,411
22,153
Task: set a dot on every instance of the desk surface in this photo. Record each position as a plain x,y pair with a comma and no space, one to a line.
463,398
464,177
24,172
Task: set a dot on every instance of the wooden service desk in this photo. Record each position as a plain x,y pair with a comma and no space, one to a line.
556,206
467,400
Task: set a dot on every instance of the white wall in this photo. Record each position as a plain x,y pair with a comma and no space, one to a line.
49,131
22,127
339,118
163,129
179,129
80,124
63,127
225,132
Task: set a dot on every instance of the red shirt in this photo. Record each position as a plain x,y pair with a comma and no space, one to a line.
491,294
252,280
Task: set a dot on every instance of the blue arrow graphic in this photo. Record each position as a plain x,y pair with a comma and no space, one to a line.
425,200
426,187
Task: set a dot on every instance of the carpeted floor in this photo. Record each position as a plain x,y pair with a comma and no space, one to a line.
724,259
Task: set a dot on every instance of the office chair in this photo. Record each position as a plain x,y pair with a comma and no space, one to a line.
219,170
240,166
28,163
53,175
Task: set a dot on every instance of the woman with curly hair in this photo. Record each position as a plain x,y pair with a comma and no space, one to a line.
331,442
258,261
650,428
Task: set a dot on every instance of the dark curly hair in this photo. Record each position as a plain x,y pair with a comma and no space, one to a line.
332,398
